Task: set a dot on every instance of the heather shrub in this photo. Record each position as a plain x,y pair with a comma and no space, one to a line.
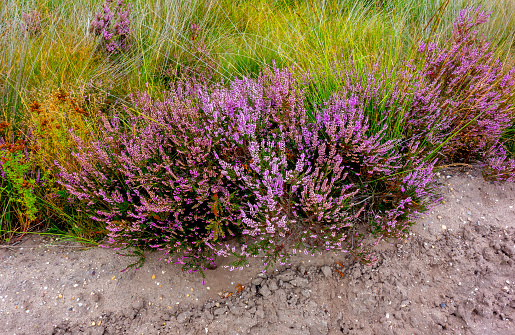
112,25
152,180
312,182
465,89
209,162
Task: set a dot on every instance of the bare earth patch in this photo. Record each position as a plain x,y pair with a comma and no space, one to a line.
455,275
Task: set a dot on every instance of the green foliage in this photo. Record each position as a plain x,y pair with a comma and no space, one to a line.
18,198
15,188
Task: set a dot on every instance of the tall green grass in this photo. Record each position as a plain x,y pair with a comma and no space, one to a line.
241,36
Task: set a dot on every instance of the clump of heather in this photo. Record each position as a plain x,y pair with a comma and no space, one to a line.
209,162
152,180
312,182
465,88
112,24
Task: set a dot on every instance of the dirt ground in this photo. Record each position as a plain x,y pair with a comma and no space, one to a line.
454,275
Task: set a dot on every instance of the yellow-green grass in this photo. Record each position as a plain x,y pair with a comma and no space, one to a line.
241,36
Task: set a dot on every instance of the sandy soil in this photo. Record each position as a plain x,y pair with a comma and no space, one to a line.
454,275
